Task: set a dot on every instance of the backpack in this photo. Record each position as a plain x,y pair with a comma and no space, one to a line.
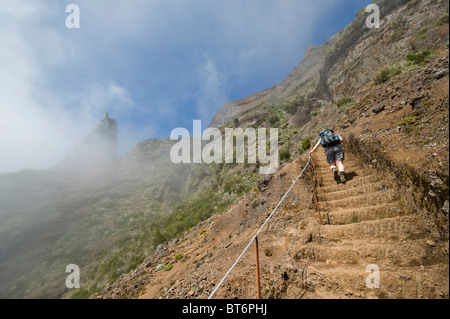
328,138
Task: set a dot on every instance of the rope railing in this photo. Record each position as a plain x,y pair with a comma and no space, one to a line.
313,178
254,238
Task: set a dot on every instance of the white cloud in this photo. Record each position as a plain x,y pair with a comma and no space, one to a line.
142,59
103,97
38,126
24,124
211,92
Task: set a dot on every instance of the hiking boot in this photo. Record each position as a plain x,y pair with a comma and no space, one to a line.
343,180
335,173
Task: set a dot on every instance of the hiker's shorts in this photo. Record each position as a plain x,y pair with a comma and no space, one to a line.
334,153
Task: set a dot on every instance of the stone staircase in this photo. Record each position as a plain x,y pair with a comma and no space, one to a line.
367,223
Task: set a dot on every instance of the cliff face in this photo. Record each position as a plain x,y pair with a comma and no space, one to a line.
304,73
105,134
98,148
348,61
385,86
386,92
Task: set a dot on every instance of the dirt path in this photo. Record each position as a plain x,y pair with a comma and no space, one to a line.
367,223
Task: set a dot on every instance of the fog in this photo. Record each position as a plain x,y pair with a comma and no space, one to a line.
153,65
42,114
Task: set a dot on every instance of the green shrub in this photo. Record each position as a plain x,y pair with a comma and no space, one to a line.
179,256
408,121
343,101
419,58
291,107
168,267
305,144
232,183
285,155
387,72
274,119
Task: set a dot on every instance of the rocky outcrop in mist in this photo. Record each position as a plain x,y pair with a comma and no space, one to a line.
98,148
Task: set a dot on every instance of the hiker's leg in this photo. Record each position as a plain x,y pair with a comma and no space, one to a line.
331,160
341,171
334,170
329,155
340,156
340,165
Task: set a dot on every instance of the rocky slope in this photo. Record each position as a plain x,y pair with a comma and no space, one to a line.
105,218
366,222
386,91
353,55
301,76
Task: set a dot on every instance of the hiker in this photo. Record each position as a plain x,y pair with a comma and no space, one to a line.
333,152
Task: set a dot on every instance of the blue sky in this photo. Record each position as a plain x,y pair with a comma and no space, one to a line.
154,65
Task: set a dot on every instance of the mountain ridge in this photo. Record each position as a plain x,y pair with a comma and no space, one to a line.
385,90
389,99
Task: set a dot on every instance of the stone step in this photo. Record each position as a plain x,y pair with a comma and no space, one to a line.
349,281
371,199
402,254
384,230
355,191
329,185
351,177
325,168
355,215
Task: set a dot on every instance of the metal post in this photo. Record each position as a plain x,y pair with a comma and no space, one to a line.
315,195
258,285
313,160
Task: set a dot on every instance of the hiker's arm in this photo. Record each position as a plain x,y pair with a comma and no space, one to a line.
317,145
341,139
